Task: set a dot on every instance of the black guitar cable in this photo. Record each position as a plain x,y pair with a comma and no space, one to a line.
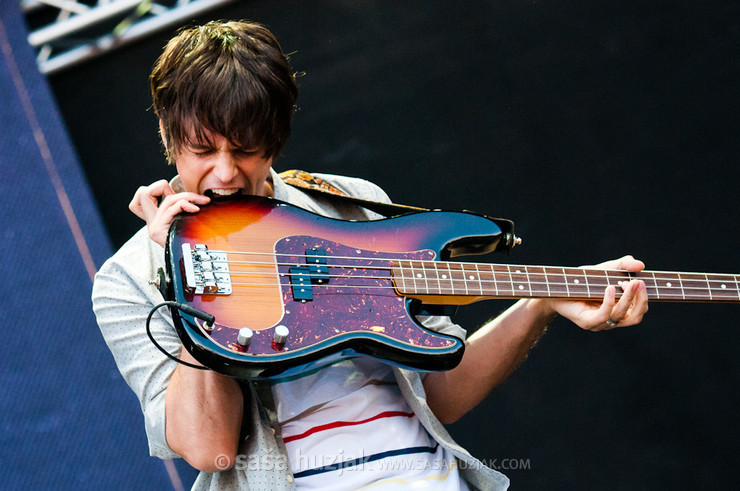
208,318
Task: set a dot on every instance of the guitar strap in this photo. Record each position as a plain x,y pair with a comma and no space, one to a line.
305,181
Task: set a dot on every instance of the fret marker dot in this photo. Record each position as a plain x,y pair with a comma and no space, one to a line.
444,276
576,281
723,286
418,275
669,284
521,287
518,270
472,277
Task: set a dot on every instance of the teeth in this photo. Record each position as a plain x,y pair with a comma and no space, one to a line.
224,192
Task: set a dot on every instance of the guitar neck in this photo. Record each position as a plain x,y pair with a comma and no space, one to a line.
460,283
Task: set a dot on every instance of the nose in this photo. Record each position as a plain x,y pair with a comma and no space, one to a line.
225,168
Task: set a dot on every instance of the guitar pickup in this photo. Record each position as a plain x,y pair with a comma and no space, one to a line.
316,260
300,281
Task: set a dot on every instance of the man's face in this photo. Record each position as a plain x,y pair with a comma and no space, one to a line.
218,166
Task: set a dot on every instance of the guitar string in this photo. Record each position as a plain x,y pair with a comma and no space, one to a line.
602,279
460,267
499,286
513,292
569,270
506,294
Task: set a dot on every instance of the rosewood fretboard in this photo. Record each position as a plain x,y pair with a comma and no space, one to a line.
476,281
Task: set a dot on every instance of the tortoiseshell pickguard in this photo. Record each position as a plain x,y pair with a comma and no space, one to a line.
358,300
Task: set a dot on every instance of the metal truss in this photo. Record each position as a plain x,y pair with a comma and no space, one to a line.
67,32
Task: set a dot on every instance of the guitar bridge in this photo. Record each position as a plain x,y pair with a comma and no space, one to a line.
206,272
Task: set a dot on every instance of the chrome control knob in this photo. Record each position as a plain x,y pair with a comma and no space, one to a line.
280,335
245,336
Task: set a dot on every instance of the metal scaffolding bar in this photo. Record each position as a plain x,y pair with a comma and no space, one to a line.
62,43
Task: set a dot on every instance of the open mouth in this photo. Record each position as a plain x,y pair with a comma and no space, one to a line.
222,193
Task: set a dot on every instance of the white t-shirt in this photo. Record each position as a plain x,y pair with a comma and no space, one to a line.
346,425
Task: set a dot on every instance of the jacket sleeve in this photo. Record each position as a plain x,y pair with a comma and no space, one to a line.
122,298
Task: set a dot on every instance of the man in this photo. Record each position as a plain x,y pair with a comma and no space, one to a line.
224,94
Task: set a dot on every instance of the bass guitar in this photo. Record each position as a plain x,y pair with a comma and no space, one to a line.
284,286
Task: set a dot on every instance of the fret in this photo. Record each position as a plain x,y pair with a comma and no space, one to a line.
547,281
517,282
598,280
445,284
651,284
456,290
488,280
447,281
538,284
404,287
495,283
723,287
432,281
668,286
585,280
433,277
420,275
556,285
458,278
655,285
695,286
436,280
612,280
504,286
709,287
575,283
480,284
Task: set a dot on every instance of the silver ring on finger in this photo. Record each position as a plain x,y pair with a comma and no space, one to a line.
611,323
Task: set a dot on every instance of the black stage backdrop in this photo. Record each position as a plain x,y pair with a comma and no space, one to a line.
601,128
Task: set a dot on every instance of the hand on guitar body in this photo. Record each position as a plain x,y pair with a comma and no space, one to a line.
626,311
158,204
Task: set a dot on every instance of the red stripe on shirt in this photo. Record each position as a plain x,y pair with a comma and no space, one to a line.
339,424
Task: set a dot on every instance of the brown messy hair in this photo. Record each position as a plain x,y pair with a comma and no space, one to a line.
228,78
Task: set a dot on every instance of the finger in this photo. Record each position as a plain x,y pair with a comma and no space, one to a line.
159,227
620,310
167,214
135,204
629,263
635,304
172,199
598,317
146,199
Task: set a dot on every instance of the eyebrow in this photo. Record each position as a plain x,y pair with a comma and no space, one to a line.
198,145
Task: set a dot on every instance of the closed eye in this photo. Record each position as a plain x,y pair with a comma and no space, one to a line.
200,150
247,152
